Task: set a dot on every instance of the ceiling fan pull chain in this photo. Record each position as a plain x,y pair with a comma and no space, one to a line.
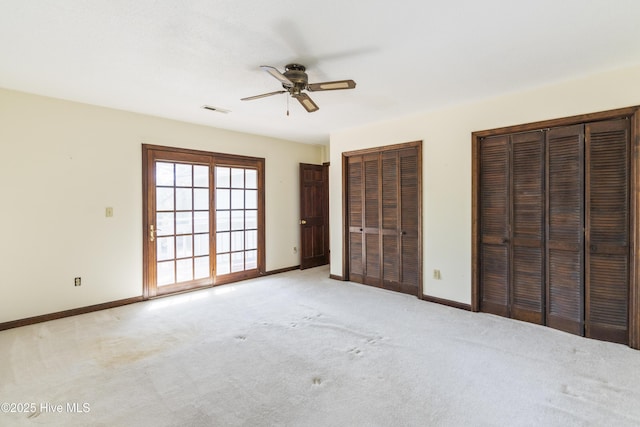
287,106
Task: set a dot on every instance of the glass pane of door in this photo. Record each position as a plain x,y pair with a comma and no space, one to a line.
236,214
182,221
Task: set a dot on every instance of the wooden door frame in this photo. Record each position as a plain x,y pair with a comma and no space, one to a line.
345,202
633,113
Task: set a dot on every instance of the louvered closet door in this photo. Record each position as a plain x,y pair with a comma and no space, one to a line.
355,211
400,221
372,238
565,229
409,226
364,219
383,197
607,224
494,222
527,219
390,219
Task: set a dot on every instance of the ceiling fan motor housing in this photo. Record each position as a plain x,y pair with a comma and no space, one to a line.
296,74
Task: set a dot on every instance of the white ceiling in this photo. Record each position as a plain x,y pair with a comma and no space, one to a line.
170,57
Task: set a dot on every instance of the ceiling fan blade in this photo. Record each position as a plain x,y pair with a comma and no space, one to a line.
264,95
307,102
337,85
278,75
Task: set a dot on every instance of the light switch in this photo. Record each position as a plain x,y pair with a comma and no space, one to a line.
108,212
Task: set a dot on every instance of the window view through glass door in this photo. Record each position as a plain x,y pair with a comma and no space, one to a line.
182,221
236,219
204,219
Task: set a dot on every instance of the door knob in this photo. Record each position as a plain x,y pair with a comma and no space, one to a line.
303,222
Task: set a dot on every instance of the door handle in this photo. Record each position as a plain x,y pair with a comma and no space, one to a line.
151,233
303,222
505,240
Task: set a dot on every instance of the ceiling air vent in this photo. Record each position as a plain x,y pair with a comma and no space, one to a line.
216,109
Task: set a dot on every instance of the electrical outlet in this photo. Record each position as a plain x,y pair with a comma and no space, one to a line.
436,274
77,281
108,212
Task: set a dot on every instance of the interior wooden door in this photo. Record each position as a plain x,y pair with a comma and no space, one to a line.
527,276
565,229
494,225
409,226
555,224
314,215
399,221
371,218
354,201
390,220
607,230
383,213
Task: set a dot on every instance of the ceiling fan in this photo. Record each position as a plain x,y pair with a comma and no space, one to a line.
294,80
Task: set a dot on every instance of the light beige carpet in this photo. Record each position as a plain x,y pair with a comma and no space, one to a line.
299,349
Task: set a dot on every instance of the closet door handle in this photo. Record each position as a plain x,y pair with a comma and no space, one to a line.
505,240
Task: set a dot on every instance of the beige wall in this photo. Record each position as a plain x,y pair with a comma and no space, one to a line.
446,136
63,163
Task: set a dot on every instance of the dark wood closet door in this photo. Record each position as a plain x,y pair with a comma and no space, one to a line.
409,226
494,225
565,229
355,211
527,219
400,221
364,219
554,216
383,197
372,237
390,217
607,225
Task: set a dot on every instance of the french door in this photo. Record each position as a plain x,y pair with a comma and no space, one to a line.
203,219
